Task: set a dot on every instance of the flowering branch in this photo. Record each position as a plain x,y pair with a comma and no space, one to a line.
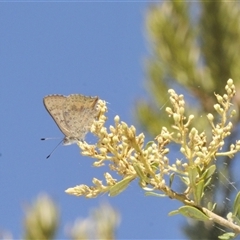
131,159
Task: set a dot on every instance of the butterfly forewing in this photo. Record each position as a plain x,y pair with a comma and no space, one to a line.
54,105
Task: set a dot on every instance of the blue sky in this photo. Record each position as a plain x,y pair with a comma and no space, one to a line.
95,49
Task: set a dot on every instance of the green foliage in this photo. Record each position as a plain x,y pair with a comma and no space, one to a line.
195,48
196,53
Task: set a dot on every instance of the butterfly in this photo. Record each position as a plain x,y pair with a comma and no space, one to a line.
73,114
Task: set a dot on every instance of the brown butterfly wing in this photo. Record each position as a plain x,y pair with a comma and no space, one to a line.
79,113
54,105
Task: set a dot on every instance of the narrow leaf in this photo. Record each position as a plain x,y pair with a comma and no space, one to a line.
140,173
172,175
227,236
120,186
209,172
153,194
192,212
199,191
236,204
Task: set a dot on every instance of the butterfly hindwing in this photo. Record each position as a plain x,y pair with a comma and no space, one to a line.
73,114
79,113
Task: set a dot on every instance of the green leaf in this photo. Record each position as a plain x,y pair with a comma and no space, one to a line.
193,174
211,206
207,182
192,212
199,191
172,175
209,172
229,235
185,180
175,212
236,204
148,144
120,186
140,173
153,194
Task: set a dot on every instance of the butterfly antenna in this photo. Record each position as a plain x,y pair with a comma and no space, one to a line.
43,139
